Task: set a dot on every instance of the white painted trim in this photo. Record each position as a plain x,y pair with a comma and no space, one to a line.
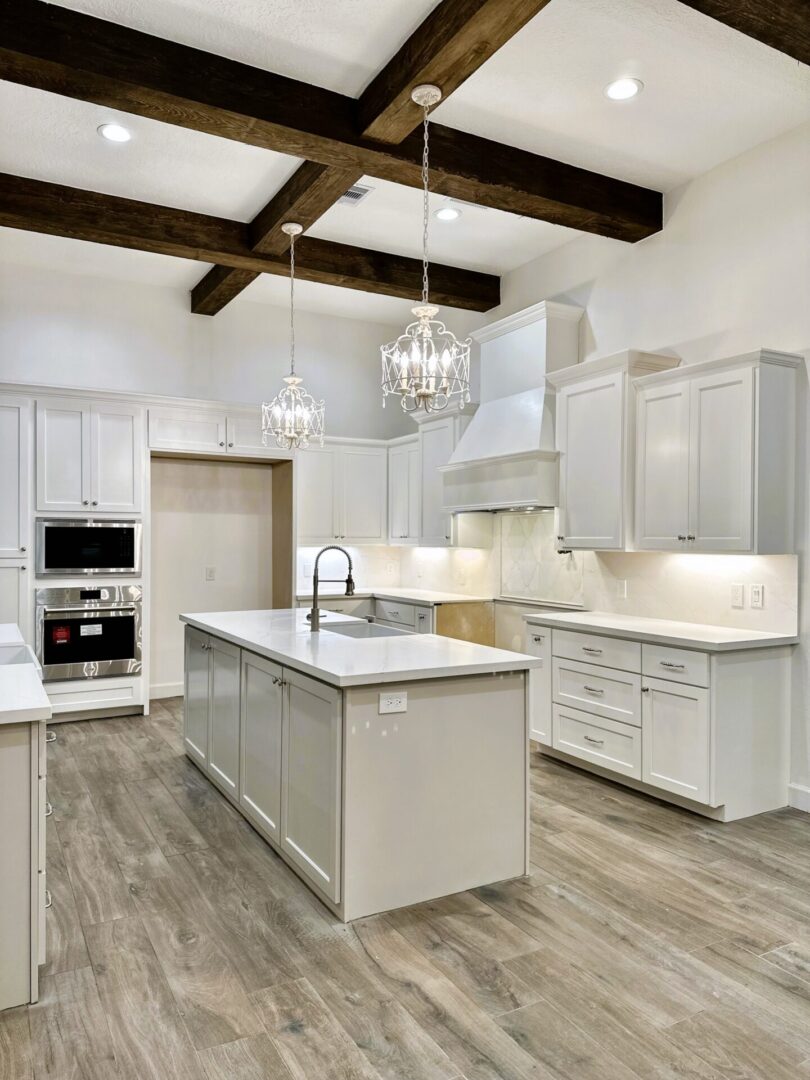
455,408
404,440
799,797
544,310
726,363
166,690
632,361
524,455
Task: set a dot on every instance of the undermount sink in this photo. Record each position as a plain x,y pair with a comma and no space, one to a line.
363,630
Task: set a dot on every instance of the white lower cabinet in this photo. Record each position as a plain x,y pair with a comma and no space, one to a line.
310,780
675,738
16,596
223,757
262,706
714,730
270,739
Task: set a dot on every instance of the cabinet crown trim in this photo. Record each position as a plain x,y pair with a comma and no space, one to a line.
760,358
634,363
544,310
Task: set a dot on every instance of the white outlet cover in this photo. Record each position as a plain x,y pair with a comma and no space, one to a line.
393,701
210,573
738,596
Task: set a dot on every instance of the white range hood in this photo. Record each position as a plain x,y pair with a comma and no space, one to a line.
506,458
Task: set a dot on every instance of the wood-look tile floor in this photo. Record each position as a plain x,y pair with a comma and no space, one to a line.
647,943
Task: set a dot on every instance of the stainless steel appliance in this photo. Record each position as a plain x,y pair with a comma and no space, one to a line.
69,546
89,633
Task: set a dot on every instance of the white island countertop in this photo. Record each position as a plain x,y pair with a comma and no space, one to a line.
660,631
22,696
426,597
284,636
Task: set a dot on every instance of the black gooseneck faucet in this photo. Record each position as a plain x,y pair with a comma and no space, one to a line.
314,616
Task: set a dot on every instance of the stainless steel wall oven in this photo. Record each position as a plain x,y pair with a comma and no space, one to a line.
89,633
69,546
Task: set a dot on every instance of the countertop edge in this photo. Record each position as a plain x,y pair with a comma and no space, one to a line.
658,638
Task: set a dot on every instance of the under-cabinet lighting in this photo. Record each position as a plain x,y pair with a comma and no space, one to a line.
624,89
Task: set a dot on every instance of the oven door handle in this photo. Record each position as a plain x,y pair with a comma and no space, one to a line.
89,613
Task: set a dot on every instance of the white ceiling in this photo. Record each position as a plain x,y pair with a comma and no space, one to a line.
710,94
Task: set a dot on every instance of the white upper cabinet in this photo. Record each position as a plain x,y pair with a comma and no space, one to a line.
341,494
90,456
594,427
16,430
437,440
192,431
715,456
243,435
404,488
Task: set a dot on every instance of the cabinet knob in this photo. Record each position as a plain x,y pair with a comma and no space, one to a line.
645,689
23,549
222,444
85,502
230,444
23,568
560,539
95,502
691,536
680,536
539,640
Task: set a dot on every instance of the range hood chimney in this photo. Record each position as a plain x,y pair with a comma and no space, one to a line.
506,459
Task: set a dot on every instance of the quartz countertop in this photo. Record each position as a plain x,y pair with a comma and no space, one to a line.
284,636
22,695
427,597
660,631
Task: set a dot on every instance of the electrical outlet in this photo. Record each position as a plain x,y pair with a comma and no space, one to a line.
210,573
738,596
393,702
621,588
757,596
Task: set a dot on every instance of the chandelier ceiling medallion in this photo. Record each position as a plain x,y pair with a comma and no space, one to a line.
294,419
427,365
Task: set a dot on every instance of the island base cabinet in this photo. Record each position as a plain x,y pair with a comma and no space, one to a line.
675,738
310,780
435,799
224,714
197,695
262,702
538,643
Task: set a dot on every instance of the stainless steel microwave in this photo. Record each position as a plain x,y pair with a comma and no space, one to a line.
71,546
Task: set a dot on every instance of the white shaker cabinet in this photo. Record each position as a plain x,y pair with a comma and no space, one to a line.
437,440
310,780
90,456
675,743
260,773
16,431
224,714
404,492
342,494
197,695
715,456
594,425
193,431
17,596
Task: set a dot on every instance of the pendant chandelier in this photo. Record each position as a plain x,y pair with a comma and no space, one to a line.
294,419
427,365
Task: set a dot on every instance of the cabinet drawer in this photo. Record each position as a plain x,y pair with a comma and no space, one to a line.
608,743
678,665
396,612
595,649
612,694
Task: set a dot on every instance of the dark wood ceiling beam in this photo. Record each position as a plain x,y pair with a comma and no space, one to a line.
79,56
38,206
455,39
782,24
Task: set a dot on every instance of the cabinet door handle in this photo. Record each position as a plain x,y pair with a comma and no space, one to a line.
50,736
539,640
691,536
560,539
593,689
591,650
681,536
48,899
596,742
645,689
671,666
277,681
48,809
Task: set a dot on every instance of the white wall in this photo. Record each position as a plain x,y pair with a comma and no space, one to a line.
75,329
205,514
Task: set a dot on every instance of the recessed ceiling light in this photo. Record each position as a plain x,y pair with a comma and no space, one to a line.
623,89
114,133
447,213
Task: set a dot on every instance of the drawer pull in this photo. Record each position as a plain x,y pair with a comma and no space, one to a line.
48,899
596,742
592,689
671,666
50,736
539,640
591,649
48,809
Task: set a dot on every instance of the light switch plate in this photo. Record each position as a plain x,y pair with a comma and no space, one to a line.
757,596
738,596
621,588
210,573
393,702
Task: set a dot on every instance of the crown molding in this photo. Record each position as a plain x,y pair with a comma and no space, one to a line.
546,309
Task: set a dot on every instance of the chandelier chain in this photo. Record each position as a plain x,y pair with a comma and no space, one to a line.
292,305
425,208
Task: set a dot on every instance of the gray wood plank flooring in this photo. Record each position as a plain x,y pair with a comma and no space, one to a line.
646,944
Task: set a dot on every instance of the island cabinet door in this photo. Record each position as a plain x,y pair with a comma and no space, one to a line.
223,753
197,694
310,780
260,780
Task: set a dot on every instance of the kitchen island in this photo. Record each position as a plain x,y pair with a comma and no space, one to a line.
386,768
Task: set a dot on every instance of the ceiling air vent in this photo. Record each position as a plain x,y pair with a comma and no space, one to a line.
355,194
